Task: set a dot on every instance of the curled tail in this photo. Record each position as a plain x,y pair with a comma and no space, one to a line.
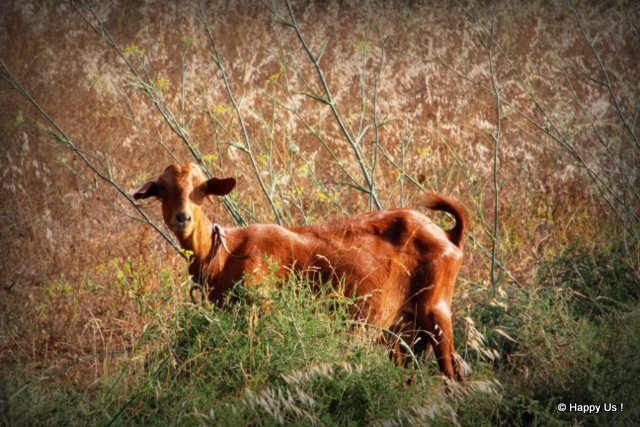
437,202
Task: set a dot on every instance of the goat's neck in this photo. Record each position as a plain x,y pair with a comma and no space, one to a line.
199,242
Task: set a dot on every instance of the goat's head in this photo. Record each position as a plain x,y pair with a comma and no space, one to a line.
182,190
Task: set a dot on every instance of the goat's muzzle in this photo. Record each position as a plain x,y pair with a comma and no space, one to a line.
182,225
183,218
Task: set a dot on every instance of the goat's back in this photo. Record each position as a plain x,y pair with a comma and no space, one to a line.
386,256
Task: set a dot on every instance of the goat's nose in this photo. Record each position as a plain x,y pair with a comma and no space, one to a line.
182,218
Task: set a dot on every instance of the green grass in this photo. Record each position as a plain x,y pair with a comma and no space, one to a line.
282,353
576,340
118,343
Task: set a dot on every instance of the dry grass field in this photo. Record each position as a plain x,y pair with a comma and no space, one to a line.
525,112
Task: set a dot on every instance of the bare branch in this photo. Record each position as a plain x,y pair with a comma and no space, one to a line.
101,171
217,59
315,59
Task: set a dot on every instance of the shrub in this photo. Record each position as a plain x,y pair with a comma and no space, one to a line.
275,353
577,340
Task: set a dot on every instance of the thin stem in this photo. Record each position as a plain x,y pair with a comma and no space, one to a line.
58,134
328,99
605,74
217,59
376,123
144,82
496,142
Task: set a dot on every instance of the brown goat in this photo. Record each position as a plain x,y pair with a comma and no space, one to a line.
399,264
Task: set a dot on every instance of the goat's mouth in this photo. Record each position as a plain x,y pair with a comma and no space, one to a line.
182,231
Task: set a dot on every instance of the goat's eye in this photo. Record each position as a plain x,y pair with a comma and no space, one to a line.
202,189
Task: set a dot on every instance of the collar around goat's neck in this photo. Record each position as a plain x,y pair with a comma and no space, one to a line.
220,239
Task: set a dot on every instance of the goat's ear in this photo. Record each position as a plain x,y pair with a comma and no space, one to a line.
219,187
150,189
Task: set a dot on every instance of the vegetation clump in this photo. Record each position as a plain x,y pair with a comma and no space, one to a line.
527,115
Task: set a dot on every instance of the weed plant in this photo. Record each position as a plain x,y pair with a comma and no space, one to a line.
527,115
286,353
573,338
277,354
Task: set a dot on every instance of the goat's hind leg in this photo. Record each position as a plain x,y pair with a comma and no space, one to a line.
435,320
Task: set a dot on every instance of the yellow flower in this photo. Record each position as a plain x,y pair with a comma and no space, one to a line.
220,109
362,46
327,198
188,40
161,84
135,51
273,78
210,158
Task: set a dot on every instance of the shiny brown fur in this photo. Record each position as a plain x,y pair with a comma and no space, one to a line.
399,264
